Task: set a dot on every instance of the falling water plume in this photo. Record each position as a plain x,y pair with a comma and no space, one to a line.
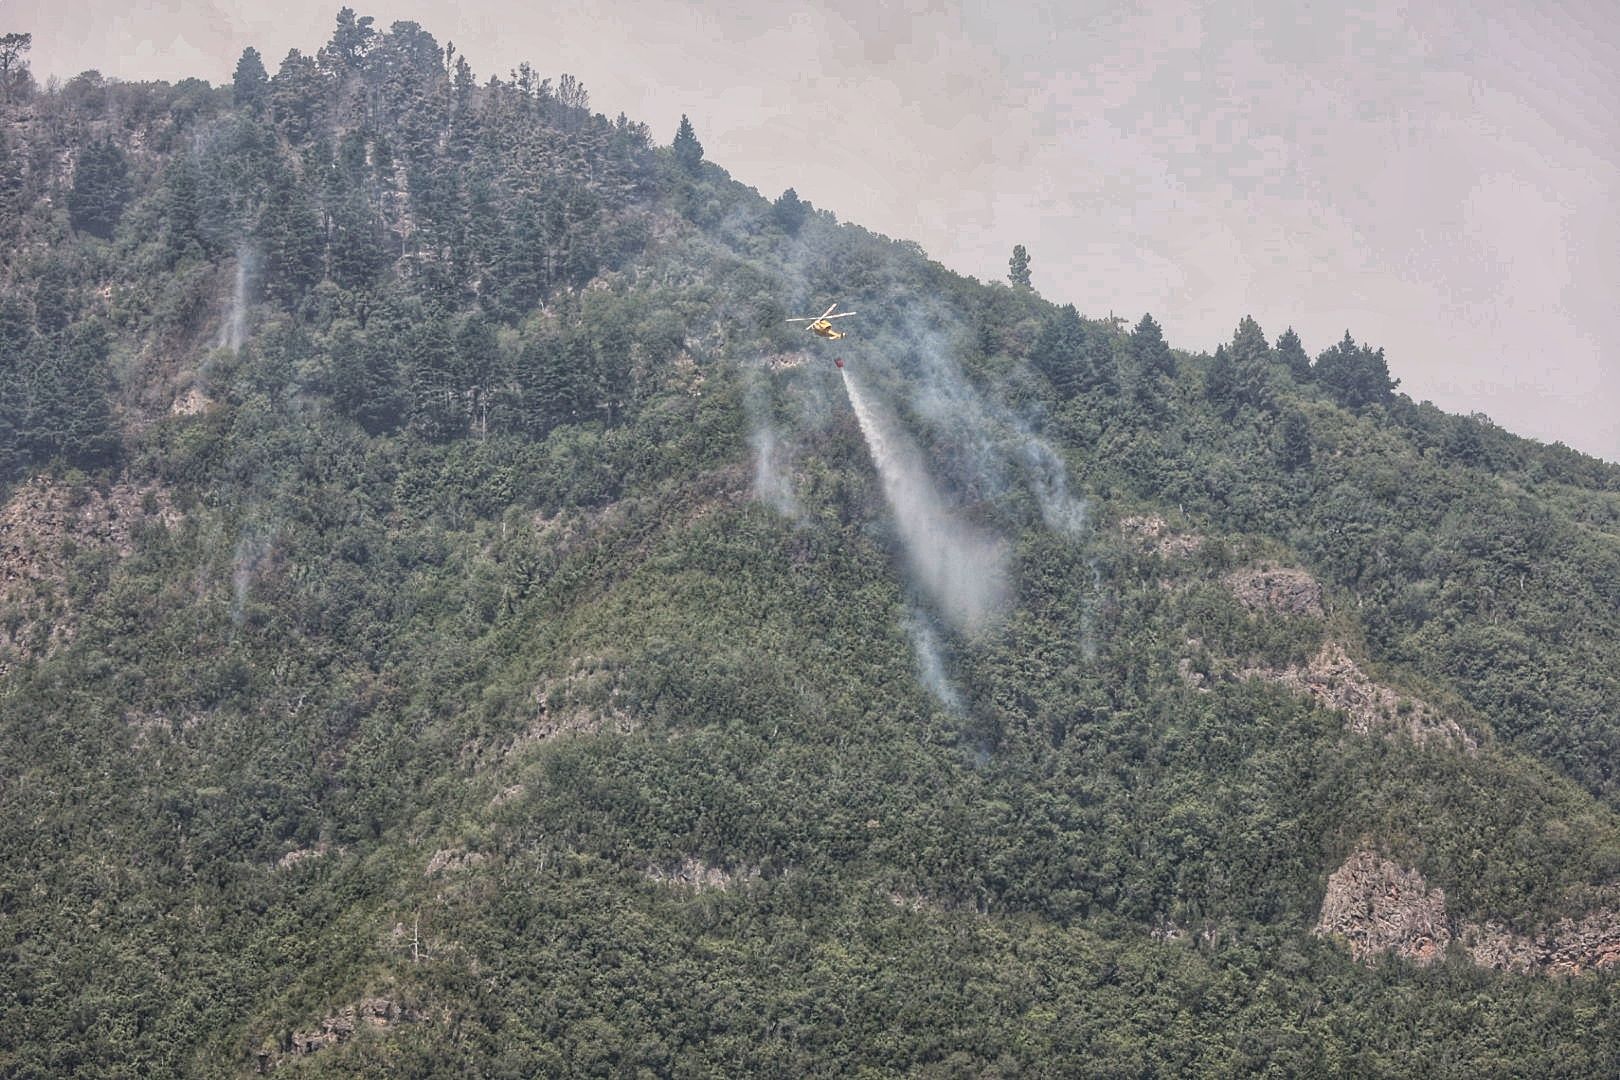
234,331
931,662
962,569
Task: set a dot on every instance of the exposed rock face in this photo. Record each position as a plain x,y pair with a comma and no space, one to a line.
586,700
191,403
1277,589
374,1012
786,360
1153,533
300,855
1568,947
695,874
40,525
453,860
1334,680
1377,907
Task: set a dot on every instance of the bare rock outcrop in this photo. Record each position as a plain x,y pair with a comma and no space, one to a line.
41,525
783,361
697,875
1337,682
1277,589
303,855
1153,533
454,860
1568,947
1377,907
373,1012
191,403
584,701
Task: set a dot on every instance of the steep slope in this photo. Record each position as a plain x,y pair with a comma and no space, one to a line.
451,622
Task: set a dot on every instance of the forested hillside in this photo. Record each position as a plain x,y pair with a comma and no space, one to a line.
450,623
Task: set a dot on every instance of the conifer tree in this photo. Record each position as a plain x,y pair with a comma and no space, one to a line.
298,97
688,151
1251,365
1355,374
14,77
1148,349
182,210
1018,267
1292,355
1060,352
289,235
789,212
1221,383
251,84
11,186
351,39
481,372
100,189
1294,453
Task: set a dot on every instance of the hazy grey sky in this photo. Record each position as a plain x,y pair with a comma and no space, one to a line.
1439,178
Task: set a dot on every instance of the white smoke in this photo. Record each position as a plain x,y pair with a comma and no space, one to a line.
249,560
1062,512
234,330
998,441
931,662
961,568
772,485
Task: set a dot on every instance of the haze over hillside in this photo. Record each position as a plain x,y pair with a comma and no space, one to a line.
1438,179
451,622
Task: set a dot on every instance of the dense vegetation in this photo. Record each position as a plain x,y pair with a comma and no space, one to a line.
449,627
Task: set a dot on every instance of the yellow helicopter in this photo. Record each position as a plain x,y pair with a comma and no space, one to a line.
822,324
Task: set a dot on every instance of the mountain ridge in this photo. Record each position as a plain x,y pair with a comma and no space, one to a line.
509,668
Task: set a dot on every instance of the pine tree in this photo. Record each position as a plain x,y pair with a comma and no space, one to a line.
789,212
14,77
1100,362
357,246
1249,346
364,379
352,38
11,187
100,189
251,84
1292,354
483,374
1355,374
289,235
1060,352
1148,349
298,97
1018,267
436,407
182,210
1251,365
1221,383
1294,453
550,373
688,151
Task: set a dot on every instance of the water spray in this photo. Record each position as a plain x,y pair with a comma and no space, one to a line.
961,568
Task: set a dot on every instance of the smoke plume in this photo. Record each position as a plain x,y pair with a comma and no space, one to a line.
997,442
931,662
234,330
772,485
